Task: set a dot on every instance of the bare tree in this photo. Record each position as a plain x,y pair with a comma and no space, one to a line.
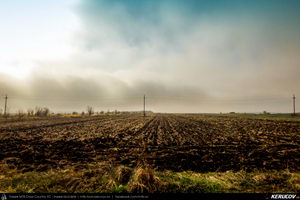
42,112
90,110
30,112
46,111
21,113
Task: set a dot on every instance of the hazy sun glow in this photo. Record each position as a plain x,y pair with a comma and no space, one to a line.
16,71
35,34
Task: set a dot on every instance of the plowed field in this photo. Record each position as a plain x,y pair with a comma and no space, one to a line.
166,141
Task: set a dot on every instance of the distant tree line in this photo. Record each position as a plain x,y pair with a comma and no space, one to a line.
44,112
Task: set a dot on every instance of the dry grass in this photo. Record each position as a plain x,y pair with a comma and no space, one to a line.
105,178
123,174
144,180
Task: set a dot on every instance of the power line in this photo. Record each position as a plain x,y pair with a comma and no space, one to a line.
151,97
125,101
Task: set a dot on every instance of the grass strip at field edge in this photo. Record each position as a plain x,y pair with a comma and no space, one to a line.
103,177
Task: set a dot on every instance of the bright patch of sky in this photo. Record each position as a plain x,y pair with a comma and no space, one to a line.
32,31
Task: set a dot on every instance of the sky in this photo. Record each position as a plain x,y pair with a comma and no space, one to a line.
190,56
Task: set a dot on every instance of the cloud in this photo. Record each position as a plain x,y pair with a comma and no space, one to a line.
195,56
74,94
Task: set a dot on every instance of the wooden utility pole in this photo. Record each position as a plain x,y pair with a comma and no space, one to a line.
294,106
5,106
144,105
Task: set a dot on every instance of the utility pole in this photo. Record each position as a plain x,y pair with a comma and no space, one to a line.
294,106
144,105
5,107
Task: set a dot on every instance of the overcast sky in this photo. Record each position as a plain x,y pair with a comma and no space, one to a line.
185,55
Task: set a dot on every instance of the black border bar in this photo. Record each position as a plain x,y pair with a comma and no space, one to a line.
164,196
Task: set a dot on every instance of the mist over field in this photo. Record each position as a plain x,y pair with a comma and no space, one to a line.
186,56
